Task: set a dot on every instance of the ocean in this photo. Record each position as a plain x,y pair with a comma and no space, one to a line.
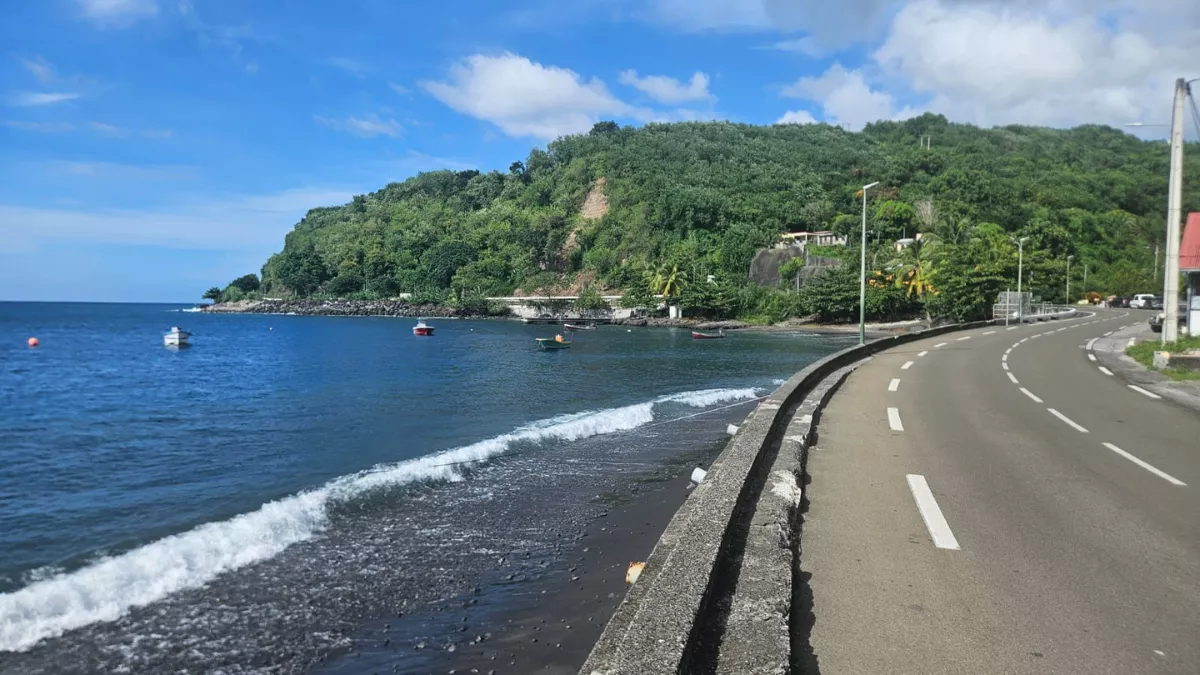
250,503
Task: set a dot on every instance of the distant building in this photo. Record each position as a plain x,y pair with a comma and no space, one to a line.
803,239
902,244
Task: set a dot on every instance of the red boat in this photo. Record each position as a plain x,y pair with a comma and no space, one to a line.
707,336
422,329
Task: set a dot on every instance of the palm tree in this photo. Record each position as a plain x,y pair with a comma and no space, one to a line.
213,294
667,281
915,267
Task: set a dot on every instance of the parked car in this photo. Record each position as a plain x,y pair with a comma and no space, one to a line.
1119,301
1141,301
1156,321
1155,302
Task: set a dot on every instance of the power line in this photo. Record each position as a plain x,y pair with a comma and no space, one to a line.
1195,113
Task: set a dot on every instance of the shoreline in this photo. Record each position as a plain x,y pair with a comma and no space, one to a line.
401,309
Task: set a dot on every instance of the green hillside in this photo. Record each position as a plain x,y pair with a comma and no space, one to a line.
703,197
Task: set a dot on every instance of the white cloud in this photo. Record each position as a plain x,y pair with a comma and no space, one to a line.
35,98
668,90
697,15
108,130
846,98
805,45
1035,65
399,89
117,12
365,127
256,222
796,117
39,68
40,127
355,68
116,172
524,98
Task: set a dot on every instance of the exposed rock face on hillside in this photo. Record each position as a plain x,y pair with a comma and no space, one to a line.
596,204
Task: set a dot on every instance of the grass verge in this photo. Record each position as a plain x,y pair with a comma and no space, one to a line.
1143,353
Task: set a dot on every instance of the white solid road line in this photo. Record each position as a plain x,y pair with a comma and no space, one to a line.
907,365
1091,342
1013,378
1161,474
968,337
935,522
1030,395
940,344
1068,420
1108,333
894,419
1012,328
990,332
1106,371
1143,392
922,354
1091,357
894,385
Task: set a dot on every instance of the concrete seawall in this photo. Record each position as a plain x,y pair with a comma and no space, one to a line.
721,569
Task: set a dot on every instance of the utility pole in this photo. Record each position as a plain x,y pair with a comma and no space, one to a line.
1174,203
1020,273
862,275
1069,278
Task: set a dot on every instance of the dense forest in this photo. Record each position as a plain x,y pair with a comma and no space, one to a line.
655,210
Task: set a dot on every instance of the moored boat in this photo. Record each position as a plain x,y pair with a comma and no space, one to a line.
556,342
574,326
697,335
176,337
422,328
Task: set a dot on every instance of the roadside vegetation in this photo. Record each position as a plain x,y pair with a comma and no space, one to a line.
674,213
1143,353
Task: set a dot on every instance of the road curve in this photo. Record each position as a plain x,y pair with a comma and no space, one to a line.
1003,506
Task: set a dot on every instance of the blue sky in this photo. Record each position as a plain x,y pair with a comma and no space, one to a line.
152,148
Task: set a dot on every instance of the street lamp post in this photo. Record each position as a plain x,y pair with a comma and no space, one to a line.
1020,275
862,273
1069,258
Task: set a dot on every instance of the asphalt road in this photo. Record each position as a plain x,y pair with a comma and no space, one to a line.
992,502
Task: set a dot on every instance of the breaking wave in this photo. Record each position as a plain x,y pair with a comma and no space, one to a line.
103,591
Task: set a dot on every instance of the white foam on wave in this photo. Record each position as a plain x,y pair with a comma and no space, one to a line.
105,590
707,397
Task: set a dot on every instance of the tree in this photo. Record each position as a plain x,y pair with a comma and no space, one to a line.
667,281
213,294
638,297
247,283
590,301
605,127
302,270
708,196
914,268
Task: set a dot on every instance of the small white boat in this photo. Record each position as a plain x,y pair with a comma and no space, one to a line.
176,337
422,328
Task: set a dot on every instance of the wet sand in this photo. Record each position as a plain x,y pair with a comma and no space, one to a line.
571,607
546,620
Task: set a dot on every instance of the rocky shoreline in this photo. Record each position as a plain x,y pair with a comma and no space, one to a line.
403,309
396,308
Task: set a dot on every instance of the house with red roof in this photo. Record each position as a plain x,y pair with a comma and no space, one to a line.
1189,265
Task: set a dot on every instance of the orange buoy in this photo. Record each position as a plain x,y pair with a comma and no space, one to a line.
33,342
